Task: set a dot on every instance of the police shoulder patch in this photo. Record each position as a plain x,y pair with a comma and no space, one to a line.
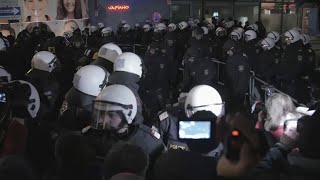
155,134
300,58
241,68
64,107
163,116
206,72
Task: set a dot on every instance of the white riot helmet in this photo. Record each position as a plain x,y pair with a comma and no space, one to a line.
123,22
292,36
137,25
240,29
90,79
128,62
205,30
172,27
250,35
146,28
161,27
182,25
4,75
110,52
236,35
100,25
114,103
229,24
68,34
45,61
93,28
34,100
85,30
305,38
220,31
211,26
106,31
204,98
274,35
126,27
267,43
253,27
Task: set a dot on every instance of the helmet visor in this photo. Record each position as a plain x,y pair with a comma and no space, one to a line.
217,109
107,116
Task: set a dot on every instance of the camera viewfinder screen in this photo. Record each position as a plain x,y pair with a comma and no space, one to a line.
194,129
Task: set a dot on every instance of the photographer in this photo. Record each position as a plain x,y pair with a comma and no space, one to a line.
283,161
193,155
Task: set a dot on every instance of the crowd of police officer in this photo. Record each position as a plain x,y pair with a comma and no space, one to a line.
83,81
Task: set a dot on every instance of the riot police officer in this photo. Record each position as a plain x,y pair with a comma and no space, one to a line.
114,111
157,66
237,72
276,37
127,71
198,42
210,107
293,56
76,110
107,36
147,35
125,36
309,54
107,55
251,49
218,42
182,39
198,69
137,33
269,60
41,75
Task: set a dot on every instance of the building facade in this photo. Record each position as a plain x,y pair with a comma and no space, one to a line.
278,15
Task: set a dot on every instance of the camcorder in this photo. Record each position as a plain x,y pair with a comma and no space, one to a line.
233,145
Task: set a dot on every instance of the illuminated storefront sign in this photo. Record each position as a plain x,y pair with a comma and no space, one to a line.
118,7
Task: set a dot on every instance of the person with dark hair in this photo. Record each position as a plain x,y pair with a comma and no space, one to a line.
69,9
74,158
125,158
237,72
14,168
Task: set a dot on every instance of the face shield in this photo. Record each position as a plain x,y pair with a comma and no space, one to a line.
145,29
125,29
55,65
247,38
170,29
217,109
264,45
110,116
106,34
286,40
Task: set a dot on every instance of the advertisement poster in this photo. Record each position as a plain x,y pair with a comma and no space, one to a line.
58,15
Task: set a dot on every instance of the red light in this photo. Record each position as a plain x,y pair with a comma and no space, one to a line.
118,7
235,133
